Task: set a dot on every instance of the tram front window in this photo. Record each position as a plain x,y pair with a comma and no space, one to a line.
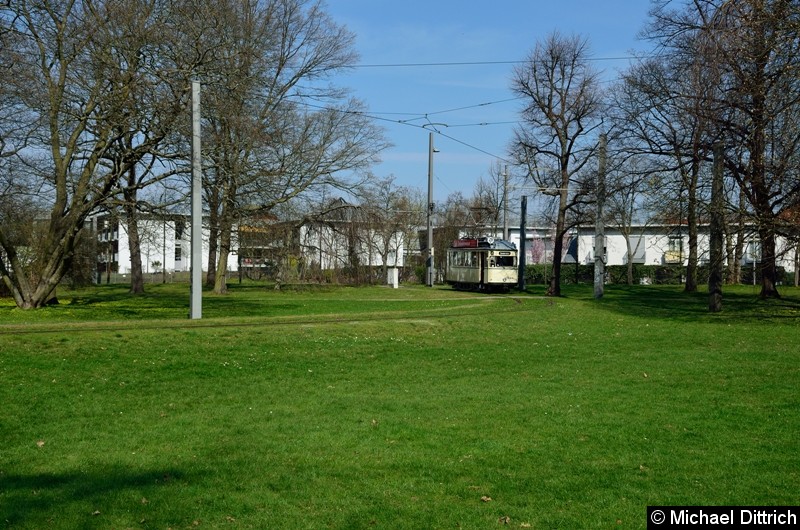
505,261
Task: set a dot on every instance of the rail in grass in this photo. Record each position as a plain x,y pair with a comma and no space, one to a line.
483,264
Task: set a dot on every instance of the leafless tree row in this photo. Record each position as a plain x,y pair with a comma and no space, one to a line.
93,111
724,72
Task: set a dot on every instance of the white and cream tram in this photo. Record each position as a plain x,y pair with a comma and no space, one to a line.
484,264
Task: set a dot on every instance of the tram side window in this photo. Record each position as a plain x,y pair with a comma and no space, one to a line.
462,259
457,259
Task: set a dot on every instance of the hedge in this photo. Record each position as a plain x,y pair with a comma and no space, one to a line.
642,274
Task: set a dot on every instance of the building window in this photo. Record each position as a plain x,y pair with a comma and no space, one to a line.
177,253
179,229
674,253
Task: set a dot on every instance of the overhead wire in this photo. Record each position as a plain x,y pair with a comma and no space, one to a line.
474,63
436,127
430,126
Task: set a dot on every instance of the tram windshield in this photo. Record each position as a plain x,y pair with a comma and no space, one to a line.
503,261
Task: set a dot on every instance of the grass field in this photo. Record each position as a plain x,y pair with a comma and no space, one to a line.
409,408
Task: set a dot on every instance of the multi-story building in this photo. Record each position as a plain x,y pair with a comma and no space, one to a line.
165,243
260,246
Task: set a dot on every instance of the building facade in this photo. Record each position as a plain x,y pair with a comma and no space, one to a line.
260,247
165,243
649,245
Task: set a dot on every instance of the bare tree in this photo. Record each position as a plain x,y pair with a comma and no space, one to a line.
391,215
630,204
659,113
454,220
70,78
152,101
562,111
754,51
274,126
736,217
342,234
486,204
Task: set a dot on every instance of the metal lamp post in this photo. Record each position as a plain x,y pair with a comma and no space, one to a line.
431,150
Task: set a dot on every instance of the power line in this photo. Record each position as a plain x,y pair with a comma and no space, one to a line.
476,106
422,126
465,144
424,115
415,65
475,63
482,124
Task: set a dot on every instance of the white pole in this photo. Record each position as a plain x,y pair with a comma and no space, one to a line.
196,308
505,202
430,210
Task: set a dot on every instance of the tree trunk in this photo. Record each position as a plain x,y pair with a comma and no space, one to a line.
691,222
760,190
767,266
134,245
134,241
740,236
630,265
716,233
213,245
213,239
761,202
35,289
213,242
730,256
629,255
220,281
558,245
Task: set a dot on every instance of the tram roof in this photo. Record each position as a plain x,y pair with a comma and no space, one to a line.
483,243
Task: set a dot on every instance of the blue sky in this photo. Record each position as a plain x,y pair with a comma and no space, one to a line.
467,31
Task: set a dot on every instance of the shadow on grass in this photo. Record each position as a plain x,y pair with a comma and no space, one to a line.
739,303
39,500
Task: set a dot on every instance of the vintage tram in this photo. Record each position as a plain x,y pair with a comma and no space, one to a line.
482,264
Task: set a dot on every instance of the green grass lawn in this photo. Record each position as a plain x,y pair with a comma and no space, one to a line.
409,408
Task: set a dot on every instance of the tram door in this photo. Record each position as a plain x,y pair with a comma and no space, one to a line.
483,258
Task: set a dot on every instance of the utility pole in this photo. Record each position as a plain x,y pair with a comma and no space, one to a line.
430,211
521,253
599,224
505,202
164,249
196,307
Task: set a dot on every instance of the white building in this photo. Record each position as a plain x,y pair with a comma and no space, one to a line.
333,247
165,244
650,245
